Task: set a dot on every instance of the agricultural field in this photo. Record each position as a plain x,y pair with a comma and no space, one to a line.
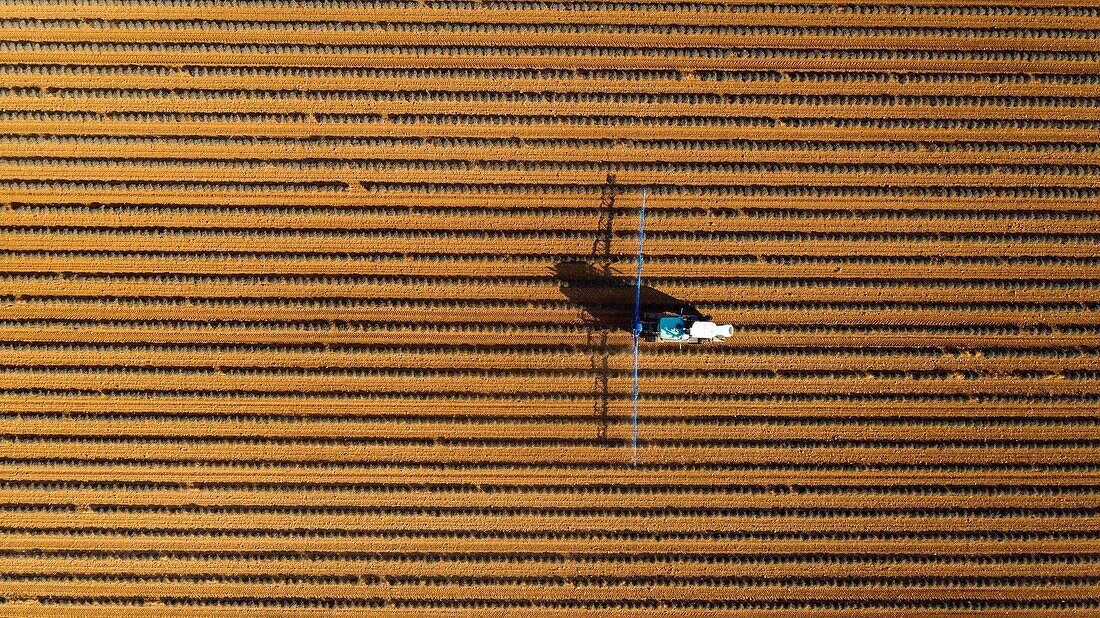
316,307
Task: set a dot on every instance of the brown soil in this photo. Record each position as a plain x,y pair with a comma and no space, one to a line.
283,331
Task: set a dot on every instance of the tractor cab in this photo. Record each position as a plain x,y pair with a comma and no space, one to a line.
670,327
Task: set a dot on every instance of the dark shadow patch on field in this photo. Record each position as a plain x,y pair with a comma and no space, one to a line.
607,300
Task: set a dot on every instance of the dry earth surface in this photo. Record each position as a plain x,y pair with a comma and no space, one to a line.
281,329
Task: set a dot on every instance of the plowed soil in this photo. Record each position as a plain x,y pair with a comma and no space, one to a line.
281,331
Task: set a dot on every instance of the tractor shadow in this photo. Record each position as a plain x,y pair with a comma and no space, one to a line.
607,300
606,303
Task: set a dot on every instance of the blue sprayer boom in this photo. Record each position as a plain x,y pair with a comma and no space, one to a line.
664,326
